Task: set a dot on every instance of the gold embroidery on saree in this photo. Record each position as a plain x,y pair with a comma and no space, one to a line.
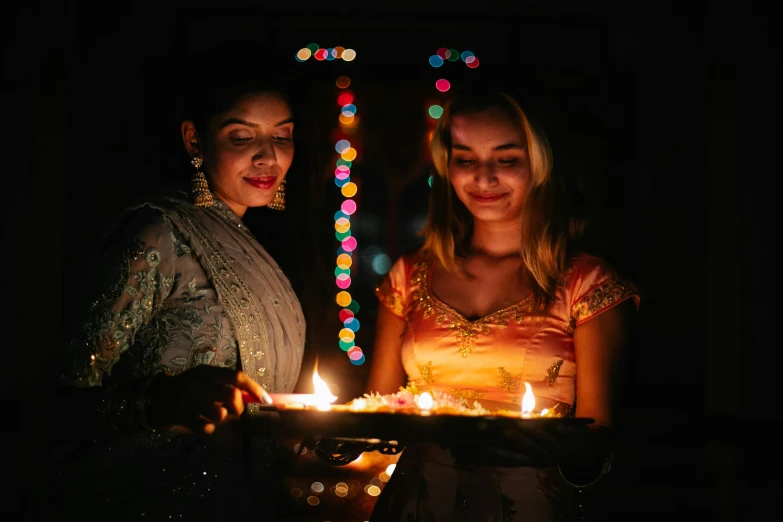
466,331
426,372
552,372
390,298
508,382
469,395
598,298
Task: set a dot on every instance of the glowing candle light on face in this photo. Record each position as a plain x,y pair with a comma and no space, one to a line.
528,400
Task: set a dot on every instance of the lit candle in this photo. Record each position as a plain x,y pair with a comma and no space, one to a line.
528,401
425,403
321,399
323,395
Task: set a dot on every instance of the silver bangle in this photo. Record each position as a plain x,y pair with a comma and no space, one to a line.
605,468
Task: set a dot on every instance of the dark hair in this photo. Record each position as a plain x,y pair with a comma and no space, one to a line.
205,101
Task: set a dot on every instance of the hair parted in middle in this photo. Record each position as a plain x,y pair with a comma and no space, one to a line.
547,226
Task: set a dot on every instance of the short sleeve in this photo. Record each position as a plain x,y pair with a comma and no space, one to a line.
596,287
393,292
132,278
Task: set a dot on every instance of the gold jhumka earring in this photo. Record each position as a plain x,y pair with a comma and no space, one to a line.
202,197
279,202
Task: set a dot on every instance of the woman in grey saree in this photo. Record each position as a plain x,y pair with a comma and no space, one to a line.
190,311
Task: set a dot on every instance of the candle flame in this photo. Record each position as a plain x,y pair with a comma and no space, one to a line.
528,400
424,401
323,395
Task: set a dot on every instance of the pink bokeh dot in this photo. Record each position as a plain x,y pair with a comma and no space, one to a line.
348,206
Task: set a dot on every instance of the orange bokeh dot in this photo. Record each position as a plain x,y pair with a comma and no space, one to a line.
349,155
343,299
344,261
349,189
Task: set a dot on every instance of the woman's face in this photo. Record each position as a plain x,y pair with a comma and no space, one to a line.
489,167
248,150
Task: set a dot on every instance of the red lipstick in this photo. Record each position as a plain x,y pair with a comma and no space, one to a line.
261,183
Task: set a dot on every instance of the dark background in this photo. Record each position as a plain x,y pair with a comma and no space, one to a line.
668,114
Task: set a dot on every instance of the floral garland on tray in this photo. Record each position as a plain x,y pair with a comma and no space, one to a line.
408,399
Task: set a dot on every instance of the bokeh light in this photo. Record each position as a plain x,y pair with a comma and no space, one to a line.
344,261
443,85
472,63
348,121
352,323
349,244
344,299
349,189
465,55
436,61
349,155
345,98
435,111
348,206
381,264
453,55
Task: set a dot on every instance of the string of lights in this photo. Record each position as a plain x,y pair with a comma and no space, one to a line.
348,122
437,60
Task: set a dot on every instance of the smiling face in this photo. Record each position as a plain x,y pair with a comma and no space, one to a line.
247,150
489,167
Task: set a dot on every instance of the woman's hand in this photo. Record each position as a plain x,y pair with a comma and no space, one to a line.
200,398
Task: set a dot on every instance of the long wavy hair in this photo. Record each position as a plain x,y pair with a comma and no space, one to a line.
547,227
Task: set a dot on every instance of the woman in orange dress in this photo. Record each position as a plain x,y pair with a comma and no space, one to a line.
499,296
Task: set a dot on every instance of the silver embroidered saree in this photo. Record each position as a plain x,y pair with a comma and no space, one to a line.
180,286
